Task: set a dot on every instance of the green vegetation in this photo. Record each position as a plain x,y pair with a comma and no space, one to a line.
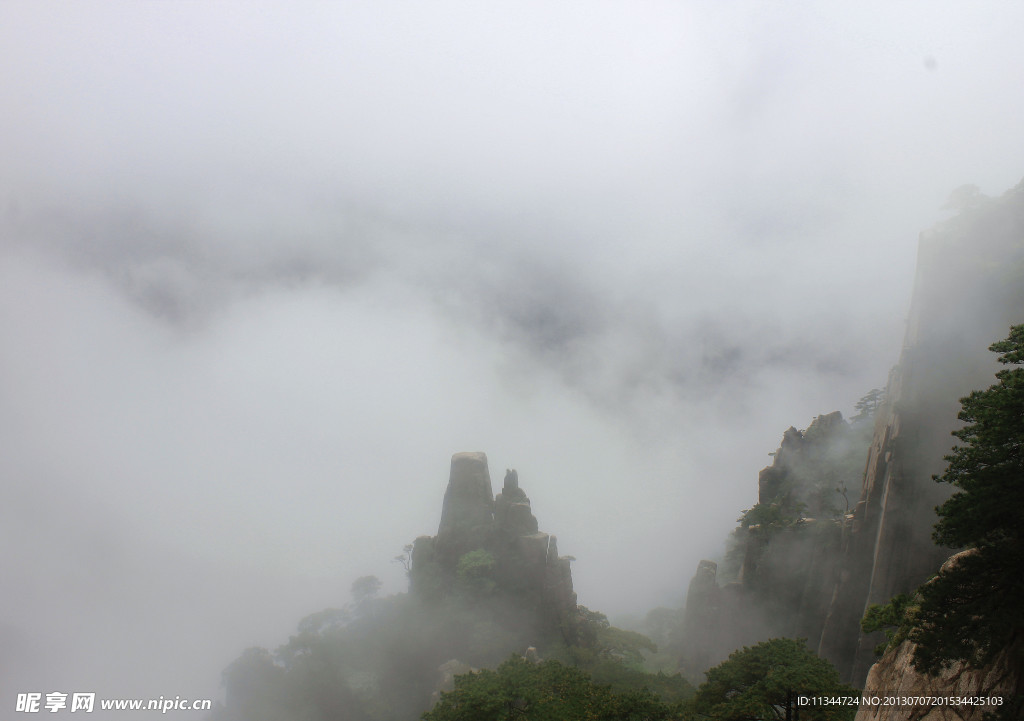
814,468
765,683
374,660
597,638
969,612
773,516
520,689
868,405
474,572
893,618
762,683
619,659
381,659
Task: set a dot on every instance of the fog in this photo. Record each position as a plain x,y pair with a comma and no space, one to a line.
264,268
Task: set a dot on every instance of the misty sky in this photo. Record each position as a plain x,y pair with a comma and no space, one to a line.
264,267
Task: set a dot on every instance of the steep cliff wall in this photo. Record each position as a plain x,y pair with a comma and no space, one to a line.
968,290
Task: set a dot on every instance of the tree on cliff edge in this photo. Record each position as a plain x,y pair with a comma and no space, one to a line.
976,608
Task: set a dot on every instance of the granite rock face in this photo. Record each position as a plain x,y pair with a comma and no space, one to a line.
894,676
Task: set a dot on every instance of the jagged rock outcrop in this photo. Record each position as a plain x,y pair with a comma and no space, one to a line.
512,512
807,465
490,550
787,549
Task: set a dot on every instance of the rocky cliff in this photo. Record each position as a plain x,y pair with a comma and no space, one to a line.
784,558
489,550
969,288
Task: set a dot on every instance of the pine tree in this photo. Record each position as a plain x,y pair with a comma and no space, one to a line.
972,610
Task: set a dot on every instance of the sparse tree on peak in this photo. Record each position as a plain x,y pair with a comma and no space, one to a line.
867,405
